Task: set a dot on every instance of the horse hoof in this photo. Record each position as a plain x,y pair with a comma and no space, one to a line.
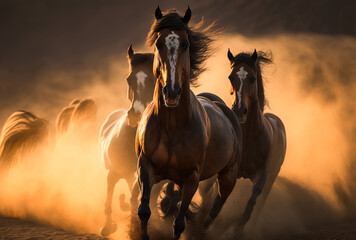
108,229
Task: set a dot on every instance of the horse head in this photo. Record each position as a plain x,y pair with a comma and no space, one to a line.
243,78
141,83
171,63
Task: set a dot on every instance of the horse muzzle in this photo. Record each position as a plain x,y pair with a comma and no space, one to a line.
241,113
133,118
171,96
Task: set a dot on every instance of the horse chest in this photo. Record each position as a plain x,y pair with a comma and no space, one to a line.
255,155
172,160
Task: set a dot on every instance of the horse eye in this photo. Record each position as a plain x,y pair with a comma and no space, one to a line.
252,79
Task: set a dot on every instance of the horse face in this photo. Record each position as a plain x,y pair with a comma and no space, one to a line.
172,64
141,83
244,89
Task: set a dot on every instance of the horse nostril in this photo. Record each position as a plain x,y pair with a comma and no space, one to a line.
245,111
165,91
179,91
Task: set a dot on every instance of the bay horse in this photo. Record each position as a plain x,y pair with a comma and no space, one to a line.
180,137
263,134
117,134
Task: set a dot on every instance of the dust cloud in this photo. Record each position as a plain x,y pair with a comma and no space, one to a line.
310,87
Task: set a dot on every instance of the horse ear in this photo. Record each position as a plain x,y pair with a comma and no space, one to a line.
230,56
254,56
158,13
130,52
187,16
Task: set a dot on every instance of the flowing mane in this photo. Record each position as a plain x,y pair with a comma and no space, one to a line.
262,58
199,40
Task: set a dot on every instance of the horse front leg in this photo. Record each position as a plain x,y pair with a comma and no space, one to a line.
188,190
109,226
146,180
258,185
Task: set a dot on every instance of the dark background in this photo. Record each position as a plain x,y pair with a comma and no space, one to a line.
76,36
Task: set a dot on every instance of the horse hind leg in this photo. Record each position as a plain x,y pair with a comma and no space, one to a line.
109,227
226,183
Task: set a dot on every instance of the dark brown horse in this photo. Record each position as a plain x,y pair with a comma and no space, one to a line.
263,134
117,135
181,137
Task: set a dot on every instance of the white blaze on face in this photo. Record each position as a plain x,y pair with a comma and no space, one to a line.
241,75
141,78
172,44
138,106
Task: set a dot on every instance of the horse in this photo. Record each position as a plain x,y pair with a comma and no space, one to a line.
80,114
263,134
22,134
117,134
180,137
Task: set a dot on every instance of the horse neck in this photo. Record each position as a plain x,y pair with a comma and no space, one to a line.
173,118
254,120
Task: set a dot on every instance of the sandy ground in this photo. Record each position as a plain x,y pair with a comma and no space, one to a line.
12,228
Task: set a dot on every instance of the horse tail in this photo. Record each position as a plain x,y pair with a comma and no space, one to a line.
20,135
169,200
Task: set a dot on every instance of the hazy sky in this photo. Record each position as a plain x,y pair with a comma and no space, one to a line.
73,37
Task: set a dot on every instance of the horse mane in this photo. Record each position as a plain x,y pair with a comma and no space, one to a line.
63,119
141,58
262,58
199,39
85,110
21,133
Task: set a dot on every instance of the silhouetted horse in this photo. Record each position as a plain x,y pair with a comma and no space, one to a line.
21,134
78,115
23,131
181,137
117,134
263,135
